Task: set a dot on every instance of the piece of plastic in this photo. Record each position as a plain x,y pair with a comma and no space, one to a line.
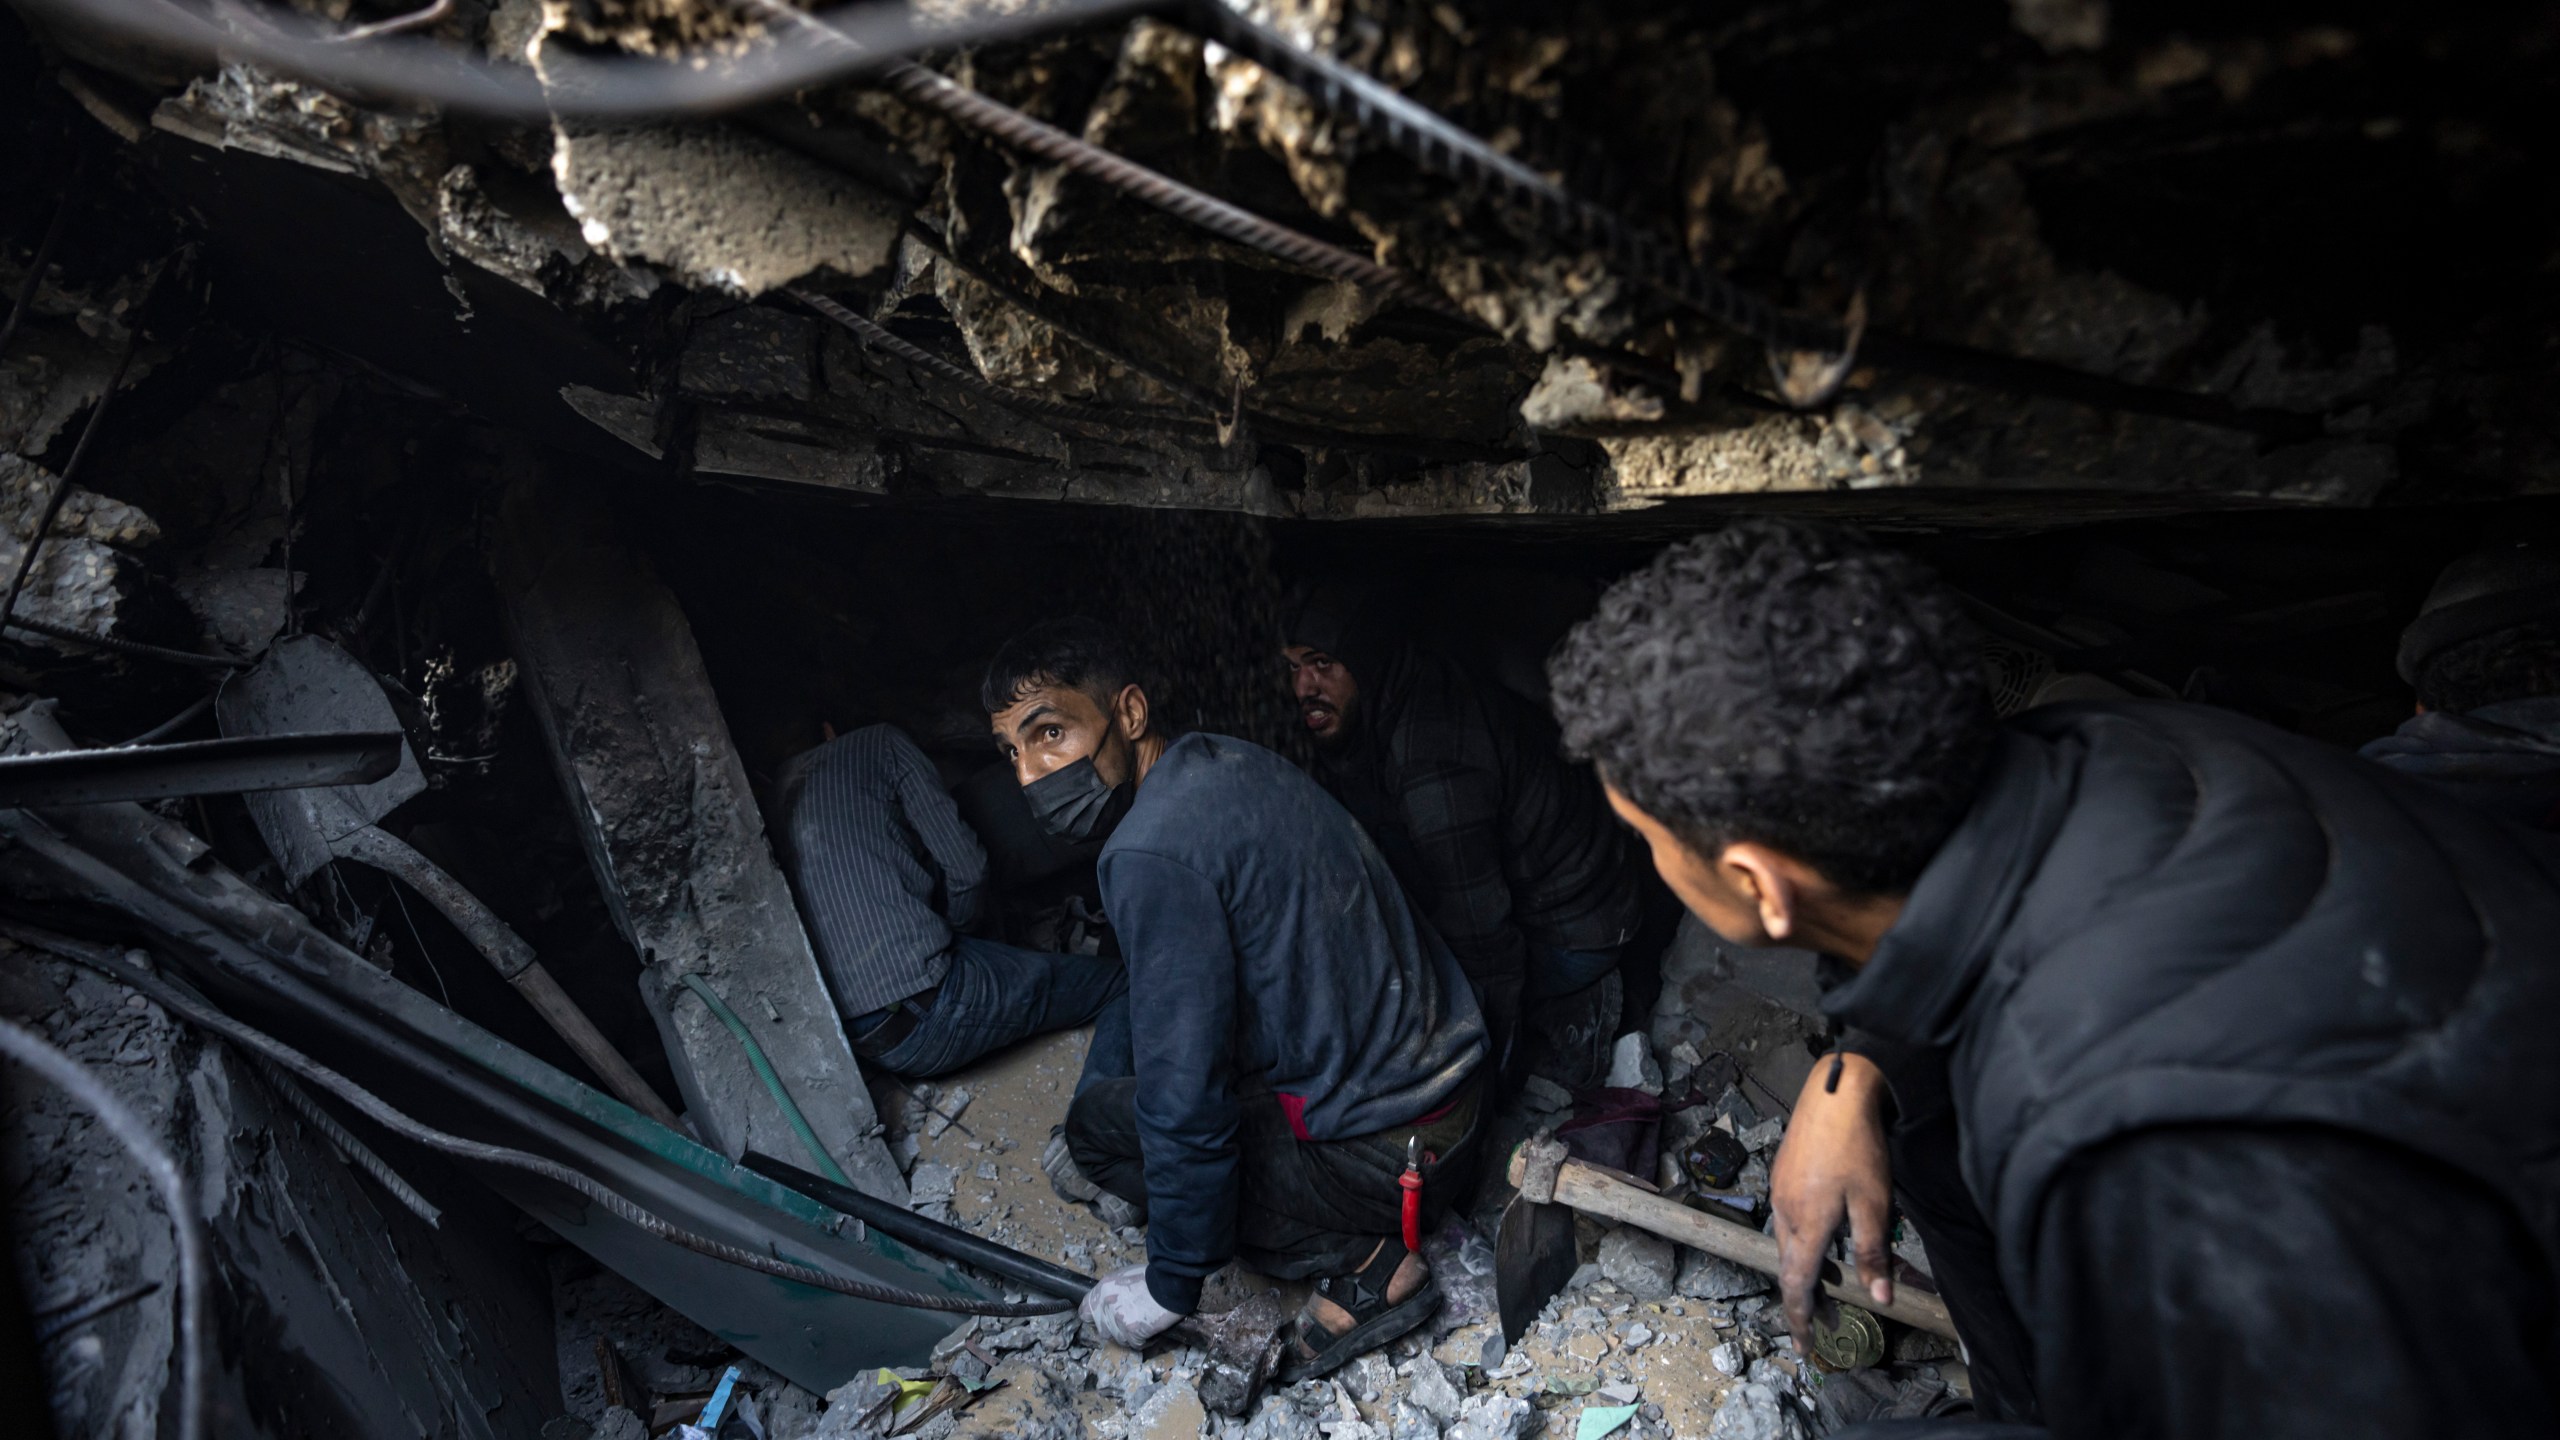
1599,1420
718,1405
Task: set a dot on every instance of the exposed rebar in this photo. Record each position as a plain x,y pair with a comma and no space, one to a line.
1435,144
358,1154
879,336
134,648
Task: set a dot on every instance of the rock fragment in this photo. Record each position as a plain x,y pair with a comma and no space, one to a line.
1710,1277
1173,1412
1639,1262
1491,1417
1632,1066
1756,1412
1434,1390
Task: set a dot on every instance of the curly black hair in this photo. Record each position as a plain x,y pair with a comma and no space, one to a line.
1787,684
2516,663
1076,651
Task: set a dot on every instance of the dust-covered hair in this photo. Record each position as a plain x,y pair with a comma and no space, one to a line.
1790,685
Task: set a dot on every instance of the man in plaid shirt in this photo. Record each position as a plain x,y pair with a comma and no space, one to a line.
1506,847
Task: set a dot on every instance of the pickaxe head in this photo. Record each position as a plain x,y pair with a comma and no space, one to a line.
1534,1252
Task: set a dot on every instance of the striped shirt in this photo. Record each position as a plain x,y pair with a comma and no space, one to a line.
885,868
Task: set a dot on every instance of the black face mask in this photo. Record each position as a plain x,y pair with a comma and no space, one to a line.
1075,805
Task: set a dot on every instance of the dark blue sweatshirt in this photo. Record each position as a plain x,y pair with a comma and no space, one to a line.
1265,937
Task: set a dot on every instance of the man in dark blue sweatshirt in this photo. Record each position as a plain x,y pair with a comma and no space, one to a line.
1299,1032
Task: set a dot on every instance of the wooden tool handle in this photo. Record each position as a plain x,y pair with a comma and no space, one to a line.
571,1024
1594,1191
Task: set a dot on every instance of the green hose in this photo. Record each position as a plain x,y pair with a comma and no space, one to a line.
772,1082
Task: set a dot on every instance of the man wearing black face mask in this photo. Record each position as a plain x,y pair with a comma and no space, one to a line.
1304,1031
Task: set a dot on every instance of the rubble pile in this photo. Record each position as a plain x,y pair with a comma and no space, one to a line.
1648,1340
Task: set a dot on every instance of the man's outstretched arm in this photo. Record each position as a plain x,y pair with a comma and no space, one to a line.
1832,1170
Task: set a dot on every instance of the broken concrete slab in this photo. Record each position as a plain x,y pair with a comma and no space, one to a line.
718,206
672,830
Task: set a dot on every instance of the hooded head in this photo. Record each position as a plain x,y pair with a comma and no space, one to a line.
2490,630
1341,641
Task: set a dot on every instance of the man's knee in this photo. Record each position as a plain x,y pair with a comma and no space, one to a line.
1102,1126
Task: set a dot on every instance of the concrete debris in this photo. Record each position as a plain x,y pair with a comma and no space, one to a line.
1710,1277
1763,1138
1757,1412
88,573
1632,1066
240,609
1639,1262
718,207
1172,1412
1027,1403
1492,1417
621,1424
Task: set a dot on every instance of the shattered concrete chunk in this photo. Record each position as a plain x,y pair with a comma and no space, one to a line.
1492,1417
83,577
717,206
1173,1412
1756,1412
1411,1422
1028,1404
1632,1066
1639,1262
1572,391
241,609
1434,1390
1711,1277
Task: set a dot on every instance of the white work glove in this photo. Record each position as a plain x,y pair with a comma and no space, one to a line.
1121,1309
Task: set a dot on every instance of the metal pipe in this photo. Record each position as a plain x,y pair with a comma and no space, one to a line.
923,1231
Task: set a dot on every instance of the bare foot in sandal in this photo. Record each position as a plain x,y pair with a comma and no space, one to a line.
1349,1316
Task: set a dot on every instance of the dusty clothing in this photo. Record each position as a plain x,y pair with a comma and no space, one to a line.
995,996
2168,916
2504,758
1268,948
885,870
2293,1282
2277,1283
1509,848
1305,1208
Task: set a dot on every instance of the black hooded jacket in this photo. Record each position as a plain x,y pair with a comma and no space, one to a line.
1463,785
2163,915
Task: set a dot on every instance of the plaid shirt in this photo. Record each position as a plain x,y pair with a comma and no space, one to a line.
1502,843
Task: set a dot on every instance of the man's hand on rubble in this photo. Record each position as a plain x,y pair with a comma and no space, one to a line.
1832,1168
1121,1309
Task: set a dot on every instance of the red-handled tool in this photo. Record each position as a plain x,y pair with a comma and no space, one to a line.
1411,1181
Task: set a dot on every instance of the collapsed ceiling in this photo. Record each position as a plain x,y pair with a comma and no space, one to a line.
2061,259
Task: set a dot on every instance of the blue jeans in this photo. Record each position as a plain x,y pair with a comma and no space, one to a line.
1554,972
998,995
